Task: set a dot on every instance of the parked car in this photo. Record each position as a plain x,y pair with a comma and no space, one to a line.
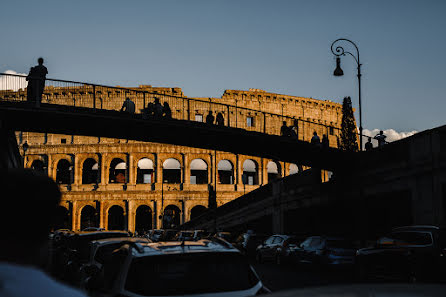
408,253
277,248
176,269
327,250
185,235
101,250
156,235
230,237
248,242
72,249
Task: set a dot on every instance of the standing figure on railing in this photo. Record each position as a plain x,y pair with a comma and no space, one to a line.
157,108
210,118
128,106
295,128
167,112
220,121
315,140
325,142
284,130
36,82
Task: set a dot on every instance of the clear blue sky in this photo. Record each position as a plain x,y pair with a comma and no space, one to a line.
208,46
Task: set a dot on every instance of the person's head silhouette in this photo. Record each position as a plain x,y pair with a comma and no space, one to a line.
314,133
370,139
40,61
381,132
34,198
284,123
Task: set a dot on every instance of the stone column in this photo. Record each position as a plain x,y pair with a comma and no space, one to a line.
49,167
75,217
155,215
103,223
185,169
158,169
104,170
77,171
131,169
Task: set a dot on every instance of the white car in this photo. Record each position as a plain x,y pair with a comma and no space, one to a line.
188,268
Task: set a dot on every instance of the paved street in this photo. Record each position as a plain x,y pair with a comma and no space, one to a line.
287,276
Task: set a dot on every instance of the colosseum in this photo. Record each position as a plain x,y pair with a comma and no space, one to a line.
137,186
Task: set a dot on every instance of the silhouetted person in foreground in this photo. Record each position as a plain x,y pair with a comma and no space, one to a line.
284,130
167,112
34,198
325,142
381,138
220,121
157,108
210,118
368,144
128,106
36,82
315,140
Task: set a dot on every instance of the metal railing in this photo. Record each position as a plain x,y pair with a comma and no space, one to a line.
15,87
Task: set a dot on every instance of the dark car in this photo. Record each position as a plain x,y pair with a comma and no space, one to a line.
327,250
162,235
248,242
192,268
277,248
408,253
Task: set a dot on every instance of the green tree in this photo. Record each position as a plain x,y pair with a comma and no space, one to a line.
349,139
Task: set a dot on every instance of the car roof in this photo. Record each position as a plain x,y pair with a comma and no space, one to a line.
118,239
182,247
416,228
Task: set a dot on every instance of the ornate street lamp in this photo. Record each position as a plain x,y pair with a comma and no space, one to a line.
339,51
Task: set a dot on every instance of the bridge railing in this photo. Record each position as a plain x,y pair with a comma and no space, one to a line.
14,87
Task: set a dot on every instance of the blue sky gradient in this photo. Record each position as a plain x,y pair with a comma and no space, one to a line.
281,46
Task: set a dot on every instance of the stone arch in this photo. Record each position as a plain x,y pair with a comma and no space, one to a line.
117,171
171,216
90,170
293,169
250,172
116,218
171,171
64,171
88,217
225,172
62,218
273,170
38,165
145,171
197,211
143,219
198,172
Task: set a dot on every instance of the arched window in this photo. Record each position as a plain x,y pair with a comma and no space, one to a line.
294,169
171,217
116,218
117,173
198,172
90,171
62,220
145,171
225,172
273,170
143,219
250,173
197,211
63,175
38,165
171,171
88,217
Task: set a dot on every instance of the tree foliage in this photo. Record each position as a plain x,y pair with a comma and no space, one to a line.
349,139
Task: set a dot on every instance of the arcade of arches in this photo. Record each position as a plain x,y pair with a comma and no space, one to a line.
140,191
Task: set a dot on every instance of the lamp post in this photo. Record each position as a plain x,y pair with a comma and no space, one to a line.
25,147
339,51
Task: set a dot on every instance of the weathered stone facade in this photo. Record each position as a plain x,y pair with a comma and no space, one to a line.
124,192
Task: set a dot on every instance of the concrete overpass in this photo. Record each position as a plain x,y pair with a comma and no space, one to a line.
62,119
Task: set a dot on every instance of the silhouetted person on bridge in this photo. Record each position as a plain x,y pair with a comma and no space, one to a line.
381,138
315,140
368,144
128,106
220,121
295,128
157,109
210,118
284,130
325,142
36,82
23,255
167,112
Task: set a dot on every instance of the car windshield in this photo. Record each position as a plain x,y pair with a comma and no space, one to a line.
189,274
411,238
